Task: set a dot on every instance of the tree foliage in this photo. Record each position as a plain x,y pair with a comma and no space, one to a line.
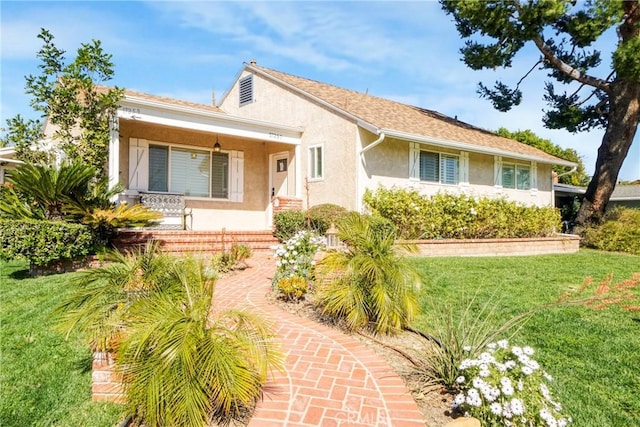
565,33
579,177
67,94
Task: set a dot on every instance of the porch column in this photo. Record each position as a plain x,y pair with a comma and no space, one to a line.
114,153
298,171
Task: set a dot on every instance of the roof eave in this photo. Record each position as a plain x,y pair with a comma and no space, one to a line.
473,148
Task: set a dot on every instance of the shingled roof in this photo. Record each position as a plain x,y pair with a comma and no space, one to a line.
133,94
386,116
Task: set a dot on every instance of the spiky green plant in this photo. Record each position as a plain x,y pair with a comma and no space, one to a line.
370,284
182,362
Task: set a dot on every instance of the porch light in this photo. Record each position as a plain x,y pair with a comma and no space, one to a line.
216,146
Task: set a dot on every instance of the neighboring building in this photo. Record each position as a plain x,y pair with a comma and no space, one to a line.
623,195
8,161
278,141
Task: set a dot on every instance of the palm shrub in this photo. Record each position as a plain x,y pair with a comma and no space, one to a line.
182,363
369,284
71,193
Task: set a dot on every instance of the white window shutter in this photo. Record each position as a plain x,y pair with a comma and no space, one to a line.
237,176
138,164
464,169
414,160
534,178
497,173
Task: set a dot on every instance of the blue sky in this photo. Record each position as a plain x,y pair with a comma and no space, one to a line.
406,51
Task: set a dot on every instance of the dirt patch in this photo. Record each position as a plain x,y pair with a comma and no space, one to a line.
433,401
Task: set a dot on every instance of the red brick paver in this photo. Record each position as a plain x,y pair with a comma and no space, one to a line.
330,379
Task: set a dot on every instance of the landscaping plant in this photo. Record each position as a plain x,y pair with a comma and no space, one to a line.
369,284
296,255
183,361
619,232
505,386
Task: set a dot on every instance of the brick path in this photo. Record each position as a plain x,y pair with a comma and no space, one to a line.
330,379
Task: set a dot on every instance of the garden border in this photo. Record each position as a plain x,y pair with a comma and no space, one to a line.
559,244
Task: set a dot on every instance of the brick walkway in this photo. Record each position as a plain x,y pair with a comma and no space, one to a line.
330,379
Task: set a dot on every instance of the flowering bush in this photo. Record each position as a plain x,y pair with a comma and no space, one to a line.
295,256
505,386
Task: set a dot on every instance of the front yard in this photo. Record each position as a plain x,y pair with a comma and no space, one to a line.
594,355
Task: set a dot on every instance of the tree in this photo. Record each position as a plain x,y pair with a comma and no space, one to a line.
68,95
579,177
564,33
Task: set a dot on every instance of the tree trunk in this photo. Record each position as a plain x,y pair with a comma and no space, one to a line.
624,111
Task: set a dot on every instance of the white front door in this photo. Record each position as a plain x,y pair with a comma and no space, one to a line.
279,175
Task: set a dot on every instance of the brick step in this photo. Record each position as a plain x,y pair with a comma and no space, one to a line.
196,241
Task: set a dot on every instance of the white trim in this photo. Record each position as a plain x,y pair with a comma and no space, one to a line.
297,162
312,167
138,109
114,154
463,178
414,171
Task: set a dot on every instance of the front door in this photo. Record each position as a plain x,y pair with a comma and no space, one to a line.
279,175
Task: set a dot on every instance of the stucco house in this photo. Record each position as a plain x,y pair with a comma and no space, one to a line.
277,141
8,161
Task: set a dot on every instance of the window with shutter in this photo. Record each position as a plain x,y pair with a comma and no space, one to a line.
158,168
508,176
190,172
245,90
316,171
220,176
429,167
437,167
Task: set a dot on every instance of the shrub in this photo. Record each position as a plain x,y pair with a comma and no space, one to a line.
182,362
322,216
505,386
292,288
448,216
295,256
288,223
620,232
369,284
44,242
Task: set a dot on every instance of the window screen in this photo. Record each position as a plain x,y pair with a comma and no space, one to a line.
158,168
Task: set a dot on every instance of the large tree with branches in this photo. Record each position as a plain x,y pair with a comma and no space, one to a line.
565,33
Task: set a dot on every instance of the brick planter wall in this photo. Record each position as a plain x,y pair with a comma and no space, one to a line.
560,244
106,385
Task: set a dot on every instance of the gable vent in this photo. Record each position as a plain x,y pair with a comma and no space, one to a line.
246,90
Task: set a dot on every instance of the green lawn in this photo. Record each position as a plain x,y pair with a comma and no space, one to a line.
44,380
594,355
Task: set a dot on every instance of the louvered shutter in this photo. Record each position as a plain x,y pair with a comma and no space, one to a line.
138,164
429,167
414,161
237,176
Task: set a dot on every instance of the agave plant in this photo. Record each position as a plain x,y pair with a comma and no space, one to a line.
182,362
370,284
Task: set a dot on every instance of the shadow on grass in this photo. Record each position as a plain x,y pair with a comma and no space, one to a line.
20,274
84,364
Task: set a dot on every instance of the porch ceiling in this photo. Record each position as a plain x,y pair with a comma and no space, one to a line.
206,121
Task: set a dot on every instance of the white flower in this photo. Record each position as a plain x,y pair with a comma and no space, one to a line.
516,350
527,370
460,379
478,382
528,350
496,408
467,348
484,371
517,407
473,397
546,375
491,346
458,400
503,343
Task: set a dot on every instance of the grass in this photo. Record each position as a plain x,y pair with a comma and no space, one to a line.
45,380
593,355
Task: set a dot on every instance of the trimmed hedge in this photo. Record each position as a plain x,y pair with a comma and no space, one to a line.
447,216
322,216
288,223
44,242
620,232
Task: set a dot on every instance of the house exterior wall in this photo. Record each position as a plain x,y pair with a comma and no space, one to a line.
250,214
321,126
387,164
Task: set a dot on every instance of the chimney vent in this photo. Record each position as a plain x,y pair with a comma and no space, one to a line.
253,62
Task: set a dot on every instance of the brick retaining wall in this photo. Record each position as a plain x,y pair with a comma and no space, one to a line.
561,244
106,385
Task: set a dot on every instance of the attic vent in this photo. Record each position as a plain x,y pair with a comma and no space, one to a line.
246,90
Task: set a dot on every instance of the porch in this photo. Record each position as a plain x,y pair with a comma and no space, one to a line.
202,169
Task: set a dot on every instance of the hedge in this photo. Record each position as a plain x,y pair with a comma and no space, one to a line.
44,242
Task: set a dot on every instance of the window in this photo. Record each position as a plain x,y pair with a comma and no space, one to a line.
437,167
195,173
516,176
245,90
316,161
